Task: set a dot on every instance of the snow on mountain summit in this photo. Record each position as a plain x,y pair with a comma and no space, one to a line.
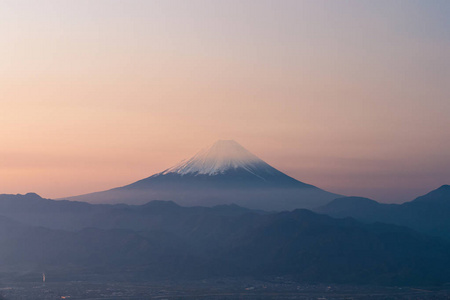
222,156
224,173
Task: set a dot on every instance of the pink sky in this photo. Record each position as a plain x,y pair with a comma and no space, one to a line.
351,97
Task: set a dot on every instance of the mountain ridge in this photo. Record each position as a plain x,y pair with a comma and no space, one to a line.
162,240
427,213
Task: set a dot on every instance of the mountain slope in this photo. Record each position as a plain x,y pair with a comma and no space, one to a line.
224,173
222,156
32,210
318,248
170,241
428,213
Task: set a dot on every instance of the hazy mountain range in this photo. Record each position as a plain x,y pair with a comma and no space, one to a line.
161,239
428,213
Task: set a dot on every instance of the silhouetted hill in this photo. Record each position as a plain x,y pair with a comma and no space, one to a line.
438,196
72,215
319,248
428,213
353,206
91,250
164,240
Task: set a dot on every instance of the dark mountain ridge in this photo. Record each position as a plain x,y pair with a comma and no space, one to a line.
428,213
33,210
164,240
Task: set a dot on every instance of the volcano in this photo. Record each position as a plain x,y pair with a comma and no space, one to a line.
224,173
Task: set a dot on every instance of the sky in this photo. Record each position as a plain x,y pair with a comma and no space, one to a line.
350,96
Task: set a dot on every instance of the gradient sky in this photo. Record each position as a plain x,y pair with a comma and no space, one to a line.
351,96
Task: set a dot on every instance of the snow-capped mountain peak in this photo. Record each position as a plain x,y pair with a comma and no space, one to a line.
222,156
224,173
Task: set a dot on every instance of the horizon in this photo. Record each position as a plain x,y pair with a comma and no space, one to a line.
352,97
221,155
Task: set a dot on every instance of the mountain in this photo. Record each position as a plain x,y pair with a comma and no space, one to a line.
439,196
358,207
318,248
224,173
32,210
428,213
162,240
93,251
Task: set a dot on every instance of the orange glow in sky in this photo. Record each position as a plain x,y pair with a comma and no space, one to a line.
351,97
